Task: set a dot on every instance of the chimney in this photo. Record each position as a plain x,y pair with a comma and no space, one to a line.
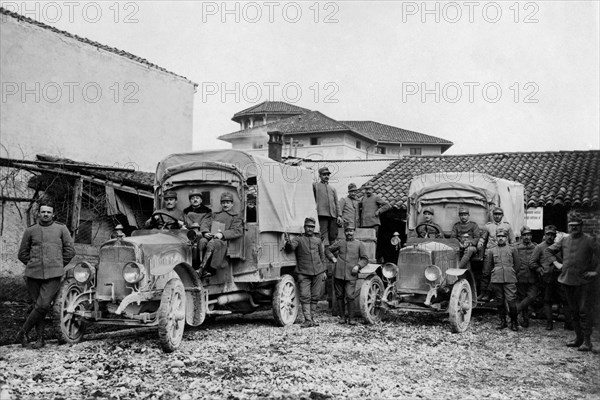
275,145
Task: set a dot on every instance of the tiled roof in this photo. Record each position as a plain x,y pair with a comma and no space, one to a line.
136,179
270,107
387,133
563,178
92,43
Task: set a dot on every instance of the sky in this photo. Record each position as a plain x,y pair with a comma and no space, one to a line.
500,76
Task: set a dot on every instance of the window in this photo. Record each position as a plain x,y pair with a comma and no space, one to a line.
358,144
315,141
379,150
415,151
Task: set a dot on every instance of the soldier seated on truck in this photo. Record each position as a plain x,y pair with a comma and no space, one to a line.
163,222
232,227
431,230
467,232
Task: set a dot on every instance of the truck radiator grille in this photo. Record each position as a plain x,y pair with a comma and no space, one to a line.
110,270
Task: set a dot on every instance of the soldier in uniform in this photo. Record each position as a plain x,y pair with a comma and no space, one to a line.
432,229
488,240
160,222
233,228
327,206
467,228
349,207
310,270
46,248
527,277
578,275
349,256
501,264
197,212
371,207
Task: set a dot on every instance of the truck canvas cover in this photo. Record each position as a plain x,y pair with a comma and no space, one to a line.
467,188
284,193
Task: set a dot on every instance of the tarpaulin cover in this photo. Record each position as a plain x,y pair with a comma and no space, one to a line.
468,188
284,193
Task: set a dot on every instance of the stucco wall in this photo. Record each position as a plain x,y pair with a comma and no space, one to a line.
71,99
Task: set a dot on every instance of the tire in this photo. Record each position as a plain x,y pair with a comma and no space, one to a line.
171,315
460,307
285,301
69,328
371,292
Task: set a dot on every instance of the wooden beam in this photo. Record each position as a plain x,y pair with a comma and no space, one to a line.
77,195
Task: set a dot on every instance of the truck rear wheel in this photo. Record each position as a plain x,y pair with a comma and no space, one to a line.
285,301
171,315
70,328
371,292
459,309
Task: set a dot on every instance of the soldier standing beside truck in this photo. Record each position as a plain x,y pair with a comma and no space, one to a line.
327,206
349,207
371,207
527,277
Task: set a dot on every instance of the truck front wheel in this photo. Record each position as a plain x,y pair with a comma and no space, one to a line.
171,315
70,327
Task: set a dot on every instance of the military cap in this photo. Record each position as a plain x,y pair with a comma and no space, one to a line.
309,221
428,210
498,210
525,229
463,210
169,194
352,187
195,192
574,218
324,170
501,231
348,226
226,196
195,225
550,229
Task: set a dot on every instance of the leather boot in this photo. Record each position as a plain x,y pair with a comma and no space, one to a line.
21,338
39,328
313,313
514,325
525,320
351,319
514,315
578,338
32,319
502,324
342,312
587,343
548,314
205,259
308,322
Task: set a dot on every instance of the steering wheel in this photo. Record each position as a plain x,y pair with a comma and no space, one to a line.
161,220
425,233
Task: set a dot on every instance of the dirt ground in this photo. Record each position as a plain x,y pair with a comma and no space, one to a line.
407,356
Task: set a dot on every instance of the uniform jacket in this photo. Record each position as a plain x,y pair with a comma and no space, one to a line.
349,253
202,215
544,262
45,250
527,268
326,199
488,234
371,208
431,232
309,254
350,211
234,225
577,254
502,262
470,227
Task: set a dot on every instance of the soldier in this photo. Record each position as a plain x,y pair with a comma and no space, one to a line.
432,229
351,257
371,207
233,228
197,212
327,206
46,248
578,275
160,222
349,207
501,264
488,234
548,273
527,277
463,228
310,270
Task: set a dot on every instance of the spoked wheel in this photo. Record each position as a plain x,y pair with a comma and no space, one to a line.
70,327
171,315
285,301
371,293
460,307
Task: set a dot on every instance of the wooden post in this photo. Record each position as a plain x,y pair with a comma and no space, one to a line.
77,195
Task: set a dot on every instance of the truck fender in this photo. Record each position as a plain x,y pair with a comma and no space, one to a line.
455,271
196,297
368,270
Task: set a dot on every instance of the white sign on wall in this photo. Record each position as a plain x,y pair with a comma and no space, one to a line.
534,217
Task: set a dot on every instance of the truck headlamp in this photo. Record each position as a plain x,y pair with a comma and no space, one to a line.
389,270
433,273
83,271
133,272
